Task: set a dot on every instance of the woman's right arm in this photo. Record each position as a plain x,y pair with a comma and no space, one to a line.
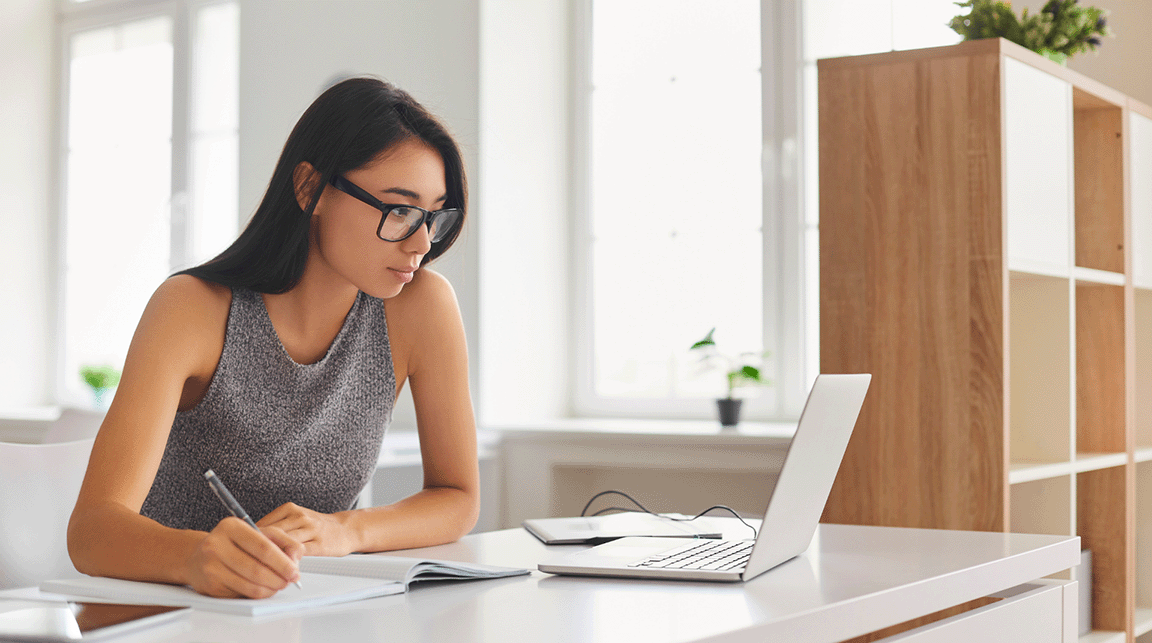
174,351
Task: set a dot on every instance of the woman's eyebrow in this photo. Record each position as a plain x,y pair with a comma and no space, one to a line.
410,194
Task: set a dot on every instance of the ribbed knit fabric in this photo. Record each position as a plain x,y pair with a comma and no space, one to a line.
276,431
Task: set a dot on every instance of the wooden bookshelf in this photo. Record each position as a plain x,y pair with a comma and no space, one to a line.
986,253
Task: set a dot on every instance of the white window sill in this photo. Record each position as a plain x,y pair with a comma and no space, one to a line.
709,431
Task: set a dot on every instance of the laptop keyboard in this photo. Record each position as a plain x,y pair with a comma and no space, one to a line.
721,555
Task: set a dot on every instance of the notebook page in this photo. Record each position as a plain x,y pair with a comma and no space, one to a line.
402,568
394,568
318,589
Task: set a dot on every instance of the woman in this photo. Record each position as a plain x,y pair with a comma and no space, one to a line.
277,363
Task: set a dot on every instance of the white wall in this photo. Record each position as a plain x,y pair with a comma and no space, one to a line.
525,172
291,49
497,72
1121,62
27,113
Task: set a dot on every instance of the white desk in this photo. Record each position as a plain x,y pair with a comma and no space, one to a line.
852,580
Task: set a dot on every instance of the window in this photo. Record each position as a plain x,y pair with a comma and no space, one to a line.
673,243
148,167
697,130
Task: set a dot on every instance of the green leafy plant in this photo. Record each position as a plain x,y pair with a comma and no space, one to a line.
744,369
1061,29
100,377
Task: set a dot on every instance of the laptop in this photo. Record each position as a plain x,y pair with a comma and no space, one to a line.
790,519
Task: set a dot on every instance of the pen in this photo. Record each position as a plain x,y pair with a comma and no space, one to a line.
230,503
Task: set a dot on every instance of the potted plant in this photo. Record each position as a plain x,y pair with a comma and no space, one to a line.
102,379
1061,29
744,369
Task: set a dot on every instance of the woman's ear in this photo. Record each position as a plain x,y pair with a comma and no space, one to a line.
305,180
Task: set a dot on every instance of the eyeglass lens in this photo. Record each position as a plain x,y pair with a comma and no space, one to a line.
401,222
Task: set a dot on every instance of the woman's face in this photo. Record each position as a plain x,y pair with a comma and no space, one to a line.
344,228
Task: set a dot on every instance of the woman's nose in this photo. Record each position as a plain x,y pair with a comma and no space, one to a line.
420,242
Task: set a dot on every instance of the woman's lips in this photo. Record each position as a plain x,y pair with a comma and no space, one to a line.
405,276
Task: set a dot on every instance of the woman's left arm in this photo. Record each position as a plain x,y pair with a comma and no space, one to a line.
429,350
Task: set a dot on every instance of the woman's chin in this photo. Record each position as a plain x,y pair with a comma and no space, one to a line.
382,290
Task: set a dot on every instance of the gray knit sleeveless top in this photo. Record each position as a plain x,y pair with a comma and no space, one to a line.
276,431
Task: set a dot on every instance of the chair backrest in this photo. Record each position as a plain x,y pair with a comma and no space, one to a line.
74,424
39,484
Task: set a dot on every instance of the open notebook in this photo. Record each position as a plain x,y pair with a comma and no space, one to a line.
325,581
403,569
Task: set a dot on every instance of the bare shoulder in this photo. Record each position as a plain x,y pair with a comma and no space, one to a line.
186,312
193,294
187,300
429,299
424,319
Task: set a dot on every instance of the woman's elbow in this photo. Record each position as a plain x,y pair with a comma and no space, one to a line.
470,512
80,543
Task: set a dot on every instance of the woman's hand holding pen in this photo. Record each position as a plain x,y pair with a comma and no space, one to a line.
320,534
235,560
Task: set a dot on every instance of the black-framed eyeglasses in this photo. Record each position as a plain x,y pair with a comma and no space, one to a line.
399,221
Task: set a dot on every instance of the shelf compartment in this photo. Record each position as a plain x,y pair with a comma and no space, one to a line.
1140,150
1104,636
1042,507
1143,620
1101,500
1096,461
1027,267
1091,275
1038,158
1098,153
1020,472
1143,547
1040,358
1100,370
1143,327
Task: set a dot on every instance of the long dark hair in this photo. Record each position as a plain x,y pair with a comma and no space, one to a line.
346,127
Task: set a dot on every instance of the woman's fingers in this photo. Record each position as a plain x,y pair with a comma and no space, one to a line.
234,558
227,583
266,563
291,547
292,519
286,511
320,534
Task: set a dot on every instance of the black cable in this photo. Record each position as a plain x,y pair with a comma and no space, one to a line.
607,509
619,493
644,509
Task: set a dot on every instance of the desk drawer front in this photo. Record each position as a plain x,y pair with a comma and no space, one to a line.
1036,614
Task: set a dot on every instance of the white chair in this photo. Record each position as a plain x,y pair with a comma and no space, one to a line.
39,484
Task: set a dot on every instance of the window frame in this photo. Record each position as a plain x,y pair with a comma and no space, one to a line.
791,339
72,18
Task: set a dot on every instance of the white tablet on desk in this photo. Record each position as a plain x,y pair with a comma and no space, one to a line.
592,530
43,621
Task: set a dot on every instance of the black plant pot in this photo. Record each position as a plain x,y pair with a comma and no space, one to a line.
729,411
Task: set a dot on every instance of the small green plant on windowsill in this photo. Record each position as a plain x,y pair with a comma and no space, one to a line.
1061,29
101,379
745,369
